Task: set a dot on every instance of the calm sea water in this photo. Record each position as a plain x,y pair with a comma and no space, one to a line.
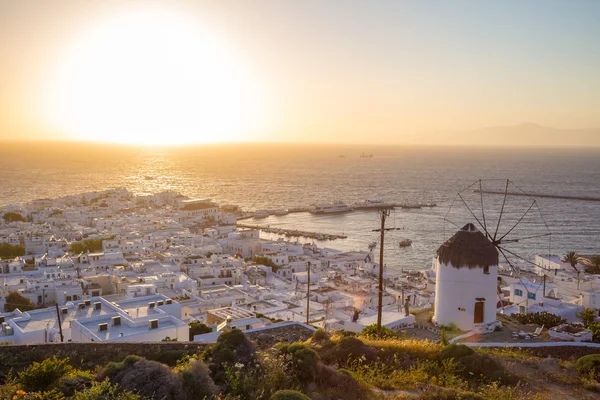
273,176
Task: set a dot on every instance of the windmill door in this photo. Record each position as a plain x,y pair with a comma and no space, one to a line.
478,318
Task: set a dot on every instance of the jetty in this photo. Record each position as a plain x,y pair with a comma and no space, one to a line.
548,196
294,232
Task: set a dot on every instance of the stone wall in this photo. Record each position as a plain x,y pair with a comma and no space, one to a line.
88,355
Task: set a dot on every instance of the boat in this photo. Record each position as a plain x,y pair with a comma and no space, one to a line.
261,214
371,204
363,155
405,243
429,205
330,208
280,211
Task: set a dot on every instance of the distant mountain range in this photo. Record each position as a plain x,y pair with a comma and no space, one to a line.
527,134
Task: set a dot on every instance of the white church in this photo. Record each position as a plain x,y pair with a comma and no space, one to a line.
466,281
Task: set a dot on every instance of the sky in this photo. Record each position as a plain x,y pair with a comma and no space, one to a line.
380,71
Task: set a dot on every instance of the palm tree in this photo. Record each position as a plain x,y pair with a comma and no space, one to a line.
592,264
573,259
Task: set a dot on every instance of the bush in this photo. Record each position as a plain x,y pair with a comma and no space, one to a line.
589,365
232,347
16,300
484,368
289,395
41,376
350,348
303,362
545,318
386,333
456,351
8,250
105,391
320,335
196,380
198,328
145,377
151,379
12,217
587,316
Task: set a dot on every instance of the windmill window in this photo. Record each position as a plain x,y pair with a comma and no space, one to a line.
531,296
518,292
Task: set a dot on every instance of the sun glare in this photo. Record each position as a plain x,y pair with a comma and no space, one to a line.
153,77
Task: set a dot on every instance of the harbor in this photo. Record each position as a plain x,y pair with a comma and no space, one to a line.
294,232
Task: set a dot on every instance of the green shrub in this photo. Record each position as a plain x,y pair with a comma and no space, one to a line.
320,335
455,351
386,333
232,347
545,318
198,328
196,380
105,391
41,376
289,395
589,365
303,362
113,368
145,377
349,348
482,367
449,394
150,378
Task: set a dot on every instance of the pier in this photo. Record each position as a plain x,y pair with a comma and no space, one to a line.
294,232
548,196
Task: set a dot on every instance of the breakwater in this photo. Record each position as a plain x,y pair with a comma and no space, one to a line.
549,196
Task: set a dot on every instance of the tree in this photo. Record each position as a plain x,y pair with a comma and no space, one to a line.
198,328
587,316
573,259
17,300
592,264
8,250
87,245
13,217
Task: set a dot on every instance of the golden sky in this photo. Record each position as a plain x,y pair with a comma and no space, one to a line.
173,72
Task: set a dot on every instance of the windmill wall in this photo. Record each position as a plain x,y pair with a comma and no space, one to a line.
457,290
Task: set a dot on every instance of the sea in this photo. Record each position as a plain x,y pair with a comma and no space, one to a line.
270,176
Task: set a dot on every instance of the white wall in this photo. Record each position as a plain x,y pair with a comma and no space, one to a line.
456,292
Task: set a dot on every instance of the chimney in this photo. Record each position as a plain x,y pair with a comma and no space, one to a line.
151,304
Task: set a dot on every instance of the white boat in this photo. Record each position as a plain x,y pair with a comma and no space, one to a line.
405,243
261,214
371,204
330,208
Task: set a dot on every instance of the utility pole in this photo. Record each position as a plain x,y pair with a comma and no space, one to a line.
62,339
384,213
544,286
308,296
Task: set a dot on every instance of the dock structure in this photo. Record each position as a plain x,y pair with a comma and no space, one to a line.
294,232
548,196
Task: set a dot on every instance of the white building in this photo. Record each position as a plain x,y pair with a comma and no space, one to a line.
467,272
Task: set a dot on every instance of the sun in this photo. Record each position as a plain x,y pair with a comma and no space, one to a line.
153,77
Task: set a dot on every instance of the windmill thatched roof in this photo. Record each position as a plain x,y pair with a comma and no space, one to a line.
468,248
